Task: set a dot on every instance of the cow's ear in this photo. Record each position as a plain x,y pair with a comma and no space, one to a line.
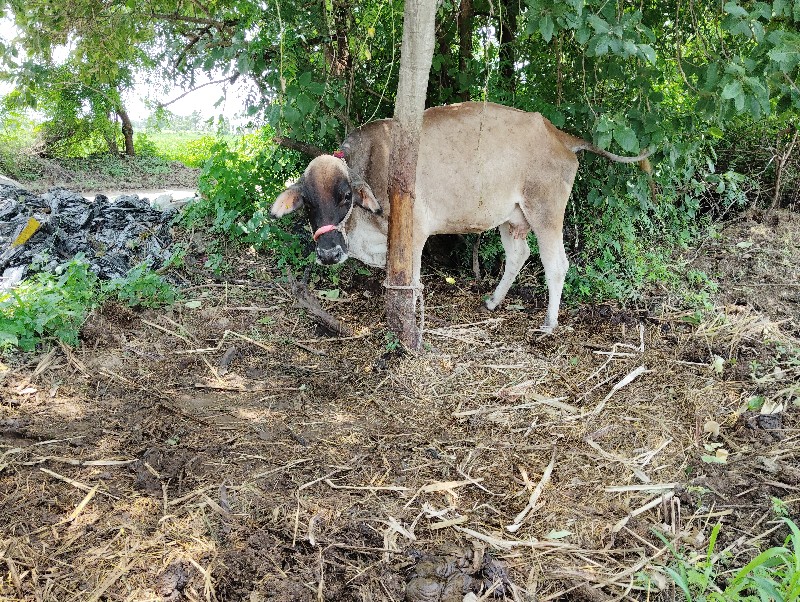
287,201
363,196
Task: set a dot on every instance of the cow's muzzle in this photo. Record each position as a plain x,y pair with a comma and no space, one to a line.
331,256
331,247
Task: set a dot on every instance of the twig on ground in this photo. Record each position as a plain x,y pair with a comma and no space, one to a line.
537,491
306,300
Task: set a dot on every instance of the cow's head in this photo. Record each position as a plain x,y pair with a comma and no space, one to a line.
329,191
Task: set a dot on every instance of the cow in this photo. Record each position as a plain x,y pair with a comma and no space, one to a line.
481,166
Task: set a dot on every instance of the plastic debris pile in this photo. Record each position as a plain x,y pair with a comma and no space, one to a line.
112,235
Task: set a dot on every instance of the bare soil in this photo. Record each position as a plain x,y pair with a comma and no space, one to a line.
97,175
236,451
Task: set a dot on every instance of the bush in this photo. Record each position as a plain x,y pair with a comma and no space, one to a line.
54,305
48,305
239,182
753,149
17,141
141,287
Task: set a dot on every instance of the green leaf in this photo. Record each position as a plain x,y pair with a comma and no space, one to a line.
604,139
546,27
649,54
782,8
316,88
626,138
715,132
734,9
598,24
733,90
305,103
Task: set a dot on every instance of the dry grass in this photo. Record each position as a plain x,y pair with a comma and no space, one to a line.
234,453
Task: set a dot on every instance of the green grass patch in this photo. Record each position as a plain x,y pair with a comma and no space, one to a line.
53,305
192,149
773,575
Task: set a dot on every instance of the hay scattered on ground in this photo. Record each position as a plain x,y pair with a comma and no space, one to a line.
234,452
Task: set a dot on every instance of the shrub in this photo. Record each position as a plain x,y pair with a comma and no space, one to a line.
47,305
239,182
17,140
141,287
53,305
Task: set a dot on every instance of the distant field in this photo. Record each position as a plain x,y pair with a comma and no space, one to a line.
190,148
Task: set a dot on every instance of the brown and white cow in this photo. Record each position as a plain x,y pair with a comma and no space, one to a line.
481,166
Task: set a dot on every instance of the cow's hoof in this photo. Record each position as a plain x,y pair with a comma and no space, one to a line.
488,305
546,329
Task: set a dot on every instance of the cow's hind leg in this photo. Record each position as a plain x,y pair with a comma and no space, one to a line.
513,235
554,260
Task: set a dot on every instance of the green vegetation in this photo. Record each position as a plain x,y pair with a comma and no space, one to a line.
17,141
47,306
191,148
50,306
712,88
773,575
239,183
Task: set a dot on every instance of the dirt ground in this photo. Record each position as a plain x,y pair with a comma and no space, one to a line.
94,176
231,449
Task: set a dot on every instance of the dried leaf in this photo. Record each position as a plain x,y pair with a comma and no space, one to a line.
711,427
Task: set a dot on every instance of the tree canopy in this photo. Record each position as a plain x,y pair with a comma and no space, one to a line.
627,74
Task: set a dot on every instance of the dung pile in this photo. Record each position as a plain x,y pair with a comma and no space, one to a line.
112,235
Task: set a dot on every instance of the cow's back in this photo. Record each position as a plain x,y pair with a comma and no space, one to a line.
476,162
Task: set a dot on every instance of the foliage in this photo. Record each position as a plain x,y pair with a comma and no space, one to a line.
192,149
141,287
48,305
239,183
687,80
54,305
17,139
774,574
73,64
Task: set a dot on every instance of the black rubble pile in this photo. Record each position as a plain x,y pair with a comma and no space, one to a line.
113,236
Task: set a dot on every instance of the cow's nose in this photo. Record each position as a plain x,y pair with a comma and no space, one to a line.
331,255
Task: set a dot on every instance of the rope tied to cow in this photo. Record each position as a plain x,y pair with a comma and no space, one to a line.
418,296
340,226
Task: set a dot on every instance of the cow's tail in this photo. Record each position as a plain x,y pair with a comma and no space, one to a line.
576,144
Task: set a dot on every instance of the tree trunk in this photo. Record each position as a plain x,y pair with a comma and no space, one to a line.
415,64
111,138
508,34
464,42
127,130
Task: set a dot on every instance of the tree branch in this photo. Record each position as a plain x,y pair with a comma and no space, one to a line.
307,149
230,79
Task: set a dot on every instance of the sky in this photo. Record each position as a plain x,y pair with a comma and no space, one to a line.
142,99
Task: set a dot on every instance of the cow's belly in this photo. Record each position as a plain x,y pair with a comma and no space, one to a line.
438,213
